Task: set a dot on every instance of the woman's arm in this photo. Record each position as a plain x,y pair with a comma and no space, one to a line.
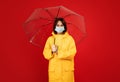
47,50
70,53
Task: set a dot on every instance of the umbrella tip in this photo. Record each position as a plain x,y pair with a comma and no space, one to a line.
30,41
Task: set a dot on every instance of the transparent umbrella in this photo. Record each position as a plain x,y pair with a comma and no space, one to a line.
38,27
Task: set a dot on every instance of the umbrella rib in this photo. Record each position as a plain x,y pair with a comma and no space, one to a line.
45,19
77,27
68,15
72,23
58,12
37,32
36,19
52,16
39,18
35,44
83,36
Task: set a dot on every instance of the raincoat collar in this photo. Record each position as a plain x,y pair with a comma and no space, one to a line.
60,35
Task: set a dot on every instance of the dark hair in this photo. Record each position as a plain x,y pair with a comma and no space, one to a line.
63,22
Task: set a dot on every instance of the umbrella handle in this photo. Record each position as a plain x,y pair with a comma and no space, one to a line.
54,40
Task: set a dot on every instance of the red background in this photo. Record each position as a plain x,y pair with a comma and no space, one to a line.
97,59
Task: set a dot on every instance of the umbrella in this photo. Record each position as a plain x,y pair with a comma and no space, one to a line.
38,27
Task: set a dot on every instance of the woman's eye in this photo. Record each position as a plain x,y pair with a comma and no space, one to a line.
59,25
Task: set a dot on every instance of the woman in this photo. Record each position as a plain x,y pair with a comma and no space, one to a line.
60,50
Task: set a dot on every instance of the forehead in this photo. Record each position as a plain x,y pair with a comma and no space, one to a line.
59,23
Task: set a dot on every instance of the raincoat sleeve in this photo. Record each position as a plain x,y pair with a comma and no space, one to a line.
70,52
47,50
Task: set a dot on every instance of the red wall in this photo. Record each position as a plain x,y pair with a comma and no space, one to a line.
97,59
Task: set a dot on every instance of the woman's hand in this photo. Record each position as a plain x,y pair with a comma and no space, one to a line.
54,49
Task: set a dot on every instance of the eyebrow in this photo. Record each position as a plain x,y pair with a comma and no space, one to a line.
59,25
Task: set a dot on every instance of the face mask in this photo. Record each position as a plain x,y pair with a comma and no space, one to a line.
59,29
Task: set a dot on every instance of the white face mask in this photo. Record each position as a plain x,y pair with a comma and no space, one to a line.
59,29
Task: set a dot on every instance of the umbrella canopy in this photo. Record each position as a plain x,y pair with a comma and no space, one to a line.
39,25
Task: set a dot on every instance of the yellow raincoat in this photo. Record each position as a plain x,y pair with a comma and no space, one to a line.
61,65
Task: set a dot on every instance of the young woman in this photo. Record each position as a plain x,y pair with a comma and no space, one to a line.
60,50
